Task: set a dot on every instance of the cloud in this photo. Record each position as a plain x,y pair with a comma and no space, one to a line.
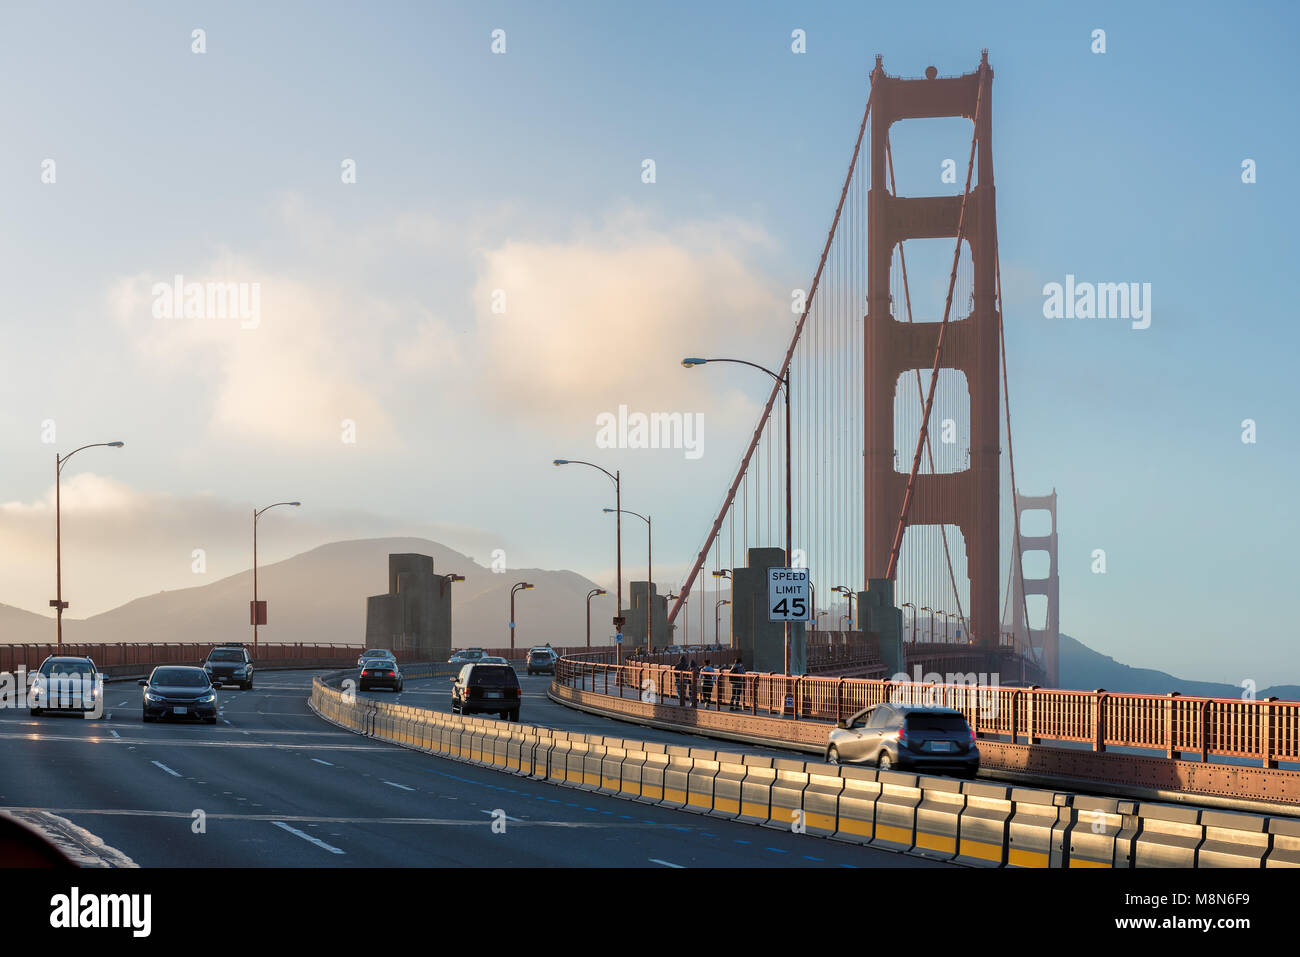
606,317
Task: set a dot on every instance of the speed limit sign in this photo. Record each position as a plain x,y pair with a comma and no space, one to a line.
788,597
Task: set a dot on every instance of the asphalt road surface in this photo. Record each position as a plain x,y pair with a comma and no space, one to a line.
273,785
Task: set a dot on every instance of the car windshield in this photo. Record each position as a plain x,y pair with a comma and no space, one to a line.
67,668
226,654
920,721
377,653
179,677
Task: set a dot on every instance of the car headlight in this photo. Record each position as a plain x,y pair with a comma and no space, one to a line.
208,698
150,696
239,669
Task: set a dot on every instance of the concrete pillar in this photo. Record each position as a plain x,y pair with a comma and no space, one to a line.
761,643
634,631
414,618
882,623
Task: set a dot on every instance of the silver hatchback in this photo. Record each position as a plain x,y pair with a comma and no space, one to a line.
895,737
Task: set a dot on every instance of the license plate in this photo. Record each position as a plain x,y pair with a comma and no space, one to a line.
178,709
494,694
940,745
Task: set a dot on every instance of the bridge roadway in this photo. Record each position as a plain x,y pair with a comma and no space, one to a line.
279,787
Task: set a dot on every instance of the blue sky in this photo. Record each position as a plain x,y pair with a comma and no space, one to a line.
1123,166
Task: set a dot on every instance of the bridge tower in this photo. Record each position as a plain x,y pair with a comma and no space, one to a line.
969,498
1043,644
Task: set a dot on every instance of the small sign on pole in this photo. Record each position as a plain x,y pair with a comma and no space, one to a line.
257,612
788,593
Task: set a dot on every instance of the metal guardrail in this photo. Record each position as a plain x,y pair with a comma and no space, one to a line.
113,658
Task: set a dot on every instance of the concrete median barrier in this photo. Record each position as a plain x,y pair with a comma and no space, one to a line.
676,777
785,800
558,763
1033,820
629,785
1169,837
1090,835
756,790
652,776
591,764
982,829
938,817
726,785
821,798
895,825
856,809
611,769
1232,840
1284,845
575,761
699,782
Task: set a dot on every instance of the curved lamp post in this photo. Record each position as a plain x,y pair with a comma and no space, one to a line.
519,586
908,604
618,542
258,612
650,576
784,380
847,592
590,595
57,603
932,613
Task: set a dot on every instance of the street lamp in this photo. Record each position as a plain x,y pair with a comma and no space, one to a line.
520,586
590,595
931,611
686,621
784,381
650,576
258,610
58,604
848,593
717,614
447,580
946,617
618,544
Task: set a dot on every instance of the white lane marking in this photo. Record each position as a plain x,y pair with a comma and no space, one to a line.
326,763
308,819
159,764
655,860
507,816
114,733
307,837
121,704
396,785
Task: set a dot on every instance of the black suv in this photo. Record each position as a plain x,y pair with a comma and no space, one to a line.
230,665
480,688
542,659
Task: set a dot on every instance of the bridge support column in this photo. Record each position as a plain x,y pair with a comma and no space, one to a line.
882,624
759,642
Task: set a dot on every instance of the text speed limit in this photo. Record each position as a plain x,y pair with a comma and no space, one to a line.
788,594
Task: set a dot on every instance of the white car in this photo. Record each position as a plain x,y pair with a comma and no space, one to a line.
66,684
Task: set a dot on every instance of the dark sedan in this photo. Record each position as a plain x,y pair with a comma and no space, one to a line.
178,691
380,673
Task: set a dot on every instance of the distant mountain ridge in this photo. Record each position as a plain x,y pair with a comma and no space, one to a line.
320,596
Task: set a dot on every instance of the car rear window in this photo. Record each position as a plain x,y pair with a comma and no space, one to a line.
180,677
492,677
936,722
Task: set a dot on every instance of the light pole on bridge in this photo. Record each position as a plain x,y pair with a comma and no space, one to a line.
257,611
650,573
616,478
590,595
519,586
58,604
784,381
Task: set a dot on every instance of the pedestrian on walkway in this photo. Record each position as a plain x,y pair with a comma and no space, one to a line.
706,678
737,684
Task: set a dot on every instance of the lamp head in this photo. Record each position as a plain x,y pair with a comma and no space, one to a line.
692,362
116,445
560,462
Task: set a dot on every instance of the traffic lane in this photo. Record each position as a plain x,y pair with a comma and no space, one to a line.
539,710
334,799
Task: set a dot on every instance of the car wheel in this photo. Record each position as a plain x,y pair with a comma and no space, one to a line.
34,712
212,720
514,715
145,718
884,761
833,755
248,686
399,687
